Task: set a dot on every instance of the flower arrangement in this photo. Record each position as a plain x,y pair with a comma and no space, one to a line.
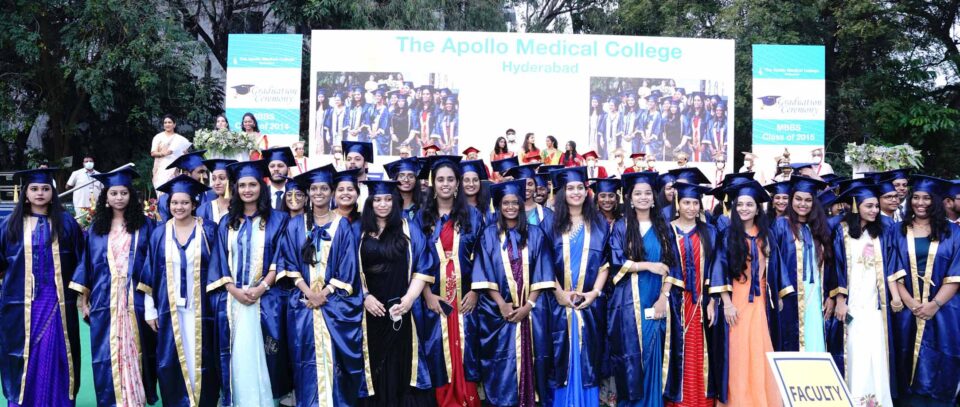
883,158
150,209
223,141
85,217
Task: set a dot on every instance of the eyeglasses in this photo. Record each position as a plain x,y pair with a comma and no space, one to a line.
296,195
406,176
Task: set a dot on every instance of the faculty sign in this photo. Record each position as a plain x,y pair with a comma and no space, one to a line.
809,379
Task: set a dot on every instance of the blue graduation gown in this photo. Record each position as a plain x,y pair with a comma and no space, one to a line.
163,204
788,271
592,318
933,368
640,348
159,281
94,278
499,361
271,307
210,211
340,333
465,247
16,300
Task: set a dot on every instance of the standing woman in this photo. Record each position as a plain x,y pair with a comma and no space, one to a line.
253,353
580,239
639,311
41,246
927,274
780,199
551,154
396,266
452,229
166,147
695,378
405,171
475,186
252,129
107,280
176,306
862,254
214,209
805,270
529,146
606,192
346,191
513,264
740,277
570,157
319,258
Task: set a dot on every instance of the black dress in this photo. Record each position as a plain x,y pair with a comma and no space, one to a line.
390,343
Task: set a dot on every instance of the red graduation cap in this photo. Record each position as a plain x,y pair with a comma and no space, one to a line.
470,150
591,154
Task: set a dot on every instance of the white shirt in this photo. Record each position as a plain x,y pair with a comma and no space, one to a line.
273,195
85,197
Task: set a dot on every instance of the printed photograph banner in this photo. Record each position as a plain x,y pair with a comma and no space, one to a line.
263,78
403,90
788,106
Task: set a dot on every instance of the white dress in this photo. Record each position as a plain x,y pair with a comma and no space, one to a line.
866,352
178,145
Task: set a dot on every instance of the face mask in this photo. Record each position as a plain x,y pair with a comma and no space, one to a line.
88,165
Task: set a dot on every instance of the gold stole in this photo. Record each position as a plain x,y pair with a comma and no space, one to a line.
116,277
683,318
516,293
323,350
919,295
581,277
444,261
169,251
881,292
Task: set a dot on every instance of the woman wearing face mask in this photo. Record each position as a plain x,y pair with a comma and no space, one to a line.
806,272
319,258
176,305
107,279
694,381
642,256
405,171
513,264
780,199
166,147
396,267
927,275
452,229
580,235
40,247
740,277
243,270
860,345
213,210
606,193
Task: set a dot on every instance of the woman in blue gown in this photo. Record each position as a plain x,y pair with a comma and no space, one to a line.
214,209
405,171
513,264
639,311
107,279
176,306
926,351
318,258
242,272
476,186
40,246
580,242
805,272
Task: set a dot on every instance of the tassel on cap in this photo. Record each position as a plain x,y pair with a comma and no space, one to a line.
226,189
855,210
16,194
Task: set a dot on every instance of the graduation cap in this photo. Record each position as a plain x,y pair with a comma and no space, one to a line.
628,93
476,166
293,185
356,89
545,169
188,161
655,95
425,87
36,176
409,164
451,100
501,166
736,178
632,179
844,185
829,178
430,147
682,91
902,173
932,185
347,175
691,175
321,175
608,185
768,100
185,184
954,189
430,164
591,154
542,180
284,154
596,96
885,187
721,105
692,191
321,91
697,93
516,188
799,166
637,155
523,171
122,177
408,84
716,98
827,198
379,91
666,178
256,169
613,100
339,94
666,99
778,188
562,177
218,164
364,148
243,89
751,188
806,184
380,187
445,90
470,150
856,195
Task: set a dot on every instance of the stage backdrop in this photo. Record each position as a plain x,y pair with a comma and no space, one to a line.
263,78
788,103
602,92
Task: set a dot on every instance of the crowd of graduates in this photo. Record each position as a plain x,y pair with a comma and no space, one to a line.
451,282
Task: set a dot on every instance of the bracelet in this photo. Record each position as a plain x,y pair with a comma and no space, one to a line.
939,305
532,304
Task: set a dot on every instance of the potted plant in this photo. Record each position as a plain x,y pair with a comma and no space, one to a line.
870,157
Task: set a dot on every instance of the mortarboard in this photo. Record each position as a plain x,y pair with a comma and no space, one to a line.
523,171
637,155
364,148
321,175
516,188
856,195
806,184
844,185
692,191
632,179
218,164
691,175
545,169
293,185
799,166
601,185
561,177
185,184
768,100
827,197
752,189
932,185
476,166
590,154
501,166
284,154
430,163
778,188
36,176
347,175
885,187
902,173
409,164
380,187
188,161
470,150
122,177
256,169
430,147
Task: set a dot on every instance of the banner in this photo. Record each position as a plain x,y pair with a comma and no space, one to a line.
667,97
788,106
263,78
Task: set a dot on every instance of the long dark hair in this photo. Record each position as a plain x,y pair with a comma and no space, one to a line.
235,213
460,213
483,197
700,225
553,140
663,202
571,154
939,228
561,213
634,242
772,209
132,215
392,238
521,225
355,211
874,229
817,221
496,146
617,210
21,210
256,126
307,251
528,147
738,253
